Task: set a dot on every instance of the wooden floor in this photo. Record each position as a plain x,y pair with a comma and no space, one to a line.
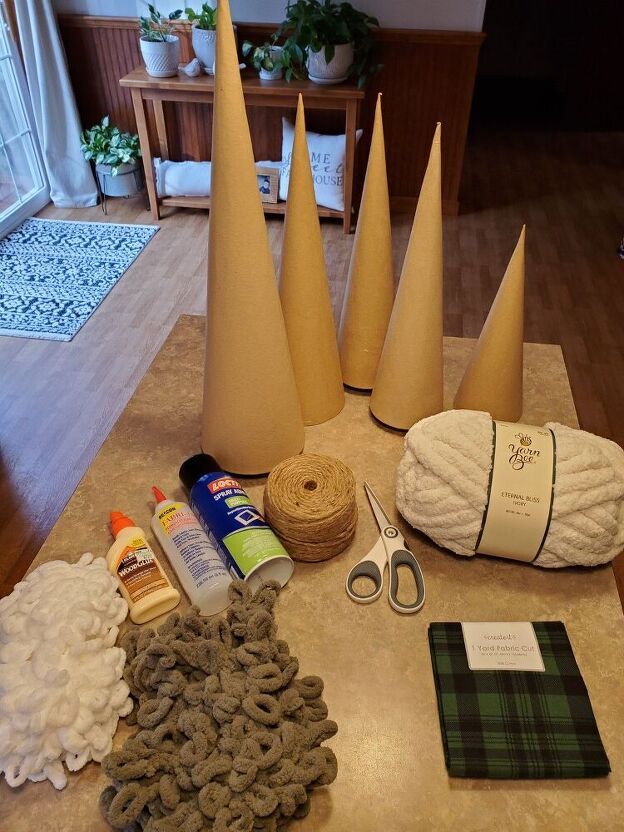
58,401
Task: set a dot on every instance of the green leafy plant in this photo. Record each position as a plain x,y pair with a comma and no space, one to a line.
155,27
107,145
205,18
270,56
290,57
323,24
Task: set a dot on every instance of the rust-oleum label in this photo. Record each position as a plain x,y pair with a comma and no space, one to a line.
138,571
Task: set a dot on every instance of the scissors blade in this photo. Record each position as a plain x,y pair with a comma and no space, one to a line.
380,515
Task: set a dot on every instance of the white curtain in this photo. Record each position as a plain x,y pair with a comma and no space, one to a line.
56,117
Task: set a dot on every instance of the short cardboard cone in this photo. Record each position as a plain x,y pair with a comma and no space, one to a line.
251,415
493,379
408,385
305,293
369,294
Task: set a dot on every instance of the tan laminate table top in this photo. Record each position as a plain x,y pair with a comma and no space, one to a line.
375,663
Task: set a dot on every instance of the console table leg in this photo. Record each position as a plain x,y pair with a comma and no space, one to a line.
350,128
161,128
146,153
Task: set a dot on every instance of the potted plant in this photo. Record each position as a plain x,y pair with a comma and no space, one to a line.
204,35
273,61
337,39
116,156
159,46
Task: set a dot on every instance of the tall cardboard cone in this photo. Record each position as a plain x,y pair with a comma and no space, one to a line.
408,385
370,286
493,379
251,415
305,293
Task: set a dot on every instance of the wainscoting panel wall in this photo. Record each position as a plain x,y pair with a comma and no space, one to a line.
426,77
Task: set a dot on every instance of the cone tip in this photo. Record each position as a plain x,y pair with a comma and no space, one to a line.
224,13
300,112
521,238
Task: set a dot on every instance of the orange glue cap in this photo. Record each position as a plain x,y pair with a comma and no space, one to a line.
160,497
119,521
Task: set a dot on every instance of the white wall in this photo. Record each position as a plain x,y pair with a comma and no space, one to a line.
459,15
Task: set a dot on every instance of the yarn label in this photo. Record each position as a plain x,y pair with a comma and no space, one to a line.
520,493
138,571
510,645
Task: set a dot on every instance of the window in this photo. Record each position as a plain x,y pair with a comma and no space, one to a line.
23,186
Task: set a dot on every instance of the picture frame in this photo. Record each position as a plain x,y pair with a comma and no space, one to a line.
268,183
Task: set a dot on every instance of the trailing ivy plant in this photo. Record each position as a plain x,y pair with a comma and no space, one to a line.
205,18
107,145
323,24
155,27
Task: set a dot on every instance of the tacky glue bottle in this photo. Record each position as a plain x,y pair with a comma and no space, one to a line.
234,525
197,563
142,580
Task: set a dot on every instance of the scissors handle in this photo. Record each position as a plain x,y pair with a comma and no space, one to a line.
403,557
365,569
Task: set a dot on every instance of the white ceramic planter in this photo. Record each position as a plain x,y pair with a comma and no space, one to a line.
274,74
336,70
161,56
204,42
127,182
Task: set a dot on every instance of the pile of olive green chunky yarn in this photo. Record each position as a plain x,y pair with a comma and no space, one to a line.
229,739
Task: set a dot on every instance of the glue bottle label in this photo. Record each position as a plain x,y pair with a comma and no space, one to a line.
200,557
233,524
138,570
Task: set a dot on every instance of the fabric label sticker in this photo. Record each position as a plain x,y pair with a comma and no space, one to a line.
519,507
507,645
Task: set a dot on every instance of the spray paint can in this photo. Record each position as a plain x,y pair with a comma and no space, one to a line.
234,525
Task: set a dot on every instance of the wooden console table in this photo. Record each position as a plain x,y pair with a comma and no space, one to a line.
257,93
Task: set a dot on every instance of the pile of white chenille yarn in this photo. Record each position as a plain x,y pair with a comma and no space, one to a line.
61,692
442,485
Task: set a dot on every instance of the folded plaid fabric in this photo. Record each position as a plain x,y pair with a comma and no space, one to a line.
513,724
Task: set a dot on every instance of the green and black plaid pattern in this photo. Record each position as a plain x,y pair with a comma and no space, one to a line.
511,724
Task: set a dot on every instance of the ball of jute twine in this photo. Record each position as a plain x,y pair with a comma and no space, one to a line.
309,501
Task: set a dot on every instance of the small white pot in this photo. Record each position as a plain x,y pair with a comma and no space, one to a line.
127,181
161,56
336,70
273,74
204,42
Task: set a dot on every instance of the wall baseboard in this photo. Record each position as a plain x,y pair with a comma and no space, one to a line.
426,77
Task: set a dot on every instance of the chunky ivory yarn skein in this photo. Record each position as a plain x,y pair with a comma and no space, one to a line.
442,484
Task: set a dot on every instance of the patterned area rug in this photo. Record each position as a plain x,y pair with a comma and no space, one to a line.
54,274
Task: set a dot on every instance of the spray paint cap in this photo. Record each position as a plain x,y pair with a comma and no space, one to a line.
119,521
195,467
158,495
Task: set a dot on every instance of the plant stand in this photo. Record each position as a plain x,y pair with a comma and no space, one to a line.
103,195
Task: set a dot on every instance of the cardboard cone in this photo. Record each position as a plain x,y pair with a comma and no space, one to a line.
408,385
369,294
251,415
305,293
493,379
